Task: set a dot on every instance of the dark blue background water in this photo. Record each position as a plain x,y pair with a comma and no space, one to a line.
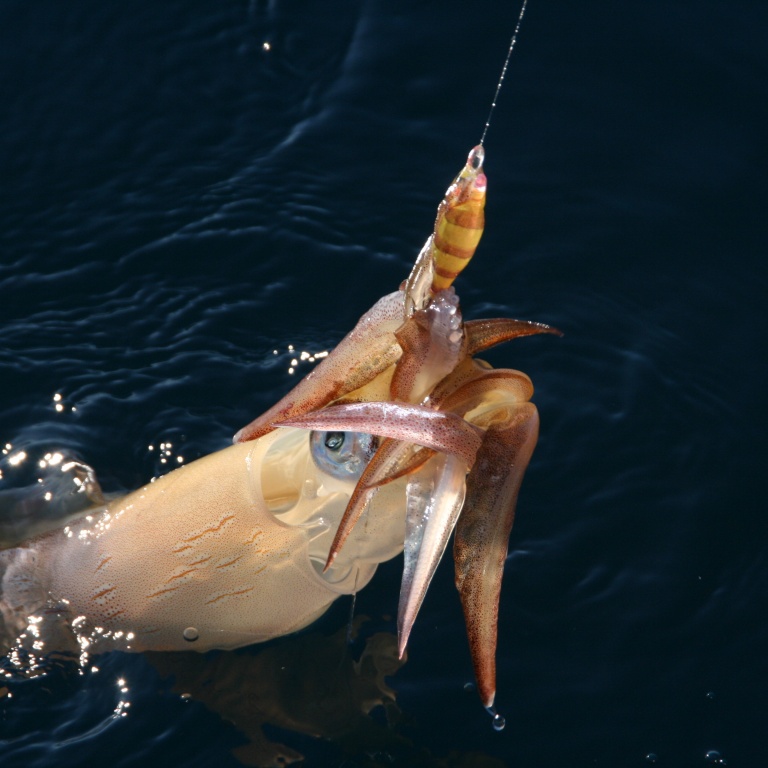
177,202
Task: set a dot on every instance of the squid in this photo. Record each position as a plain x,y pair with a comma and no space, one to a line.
398,439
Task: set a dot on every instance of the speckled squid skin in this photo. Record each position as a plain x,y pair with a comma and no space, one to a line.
196,548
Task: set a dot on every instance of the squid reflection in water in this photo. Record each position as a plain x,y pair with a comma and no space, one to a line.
409,437
307,683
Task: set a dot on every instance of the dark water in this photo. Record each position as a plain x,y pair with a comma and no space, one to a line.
178,202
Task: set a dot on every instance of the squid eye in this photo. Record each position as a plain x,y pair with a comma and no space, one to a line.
343,455
334,441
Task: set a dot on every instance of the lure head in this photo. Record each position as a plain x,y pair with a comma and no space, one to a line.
469,185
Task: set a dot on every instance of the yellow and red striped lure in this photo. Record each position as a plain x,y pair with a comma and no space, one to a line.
460,221
458,228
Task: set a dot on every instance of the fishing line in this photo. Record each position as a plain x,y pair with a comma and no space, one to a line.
504,69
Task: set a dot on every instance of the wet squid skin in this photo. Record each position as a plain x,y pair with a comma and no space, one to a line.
256,541
197,549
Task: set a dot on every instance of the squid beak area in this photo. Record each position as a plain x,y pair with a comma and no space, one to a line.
482,534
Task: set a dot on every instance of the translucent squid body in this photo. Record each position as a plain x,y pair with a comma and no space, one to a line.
394,440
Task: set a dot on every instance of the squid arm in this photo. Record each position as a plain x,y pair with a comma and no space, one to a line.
383,466
393,460
433,502
432,343
413,337
367,350
443,431
414,463
484,334
482,533
468,412
483,388
434,498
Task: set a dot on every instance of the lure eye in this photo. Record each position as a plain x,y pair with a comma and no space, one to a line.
343,455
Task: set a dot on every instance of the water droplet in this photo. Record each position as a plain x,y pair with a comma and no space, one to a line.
652,757
190,634
498,722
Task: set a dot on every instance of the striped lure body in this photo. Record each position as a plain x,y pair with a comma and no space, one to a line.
460,222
